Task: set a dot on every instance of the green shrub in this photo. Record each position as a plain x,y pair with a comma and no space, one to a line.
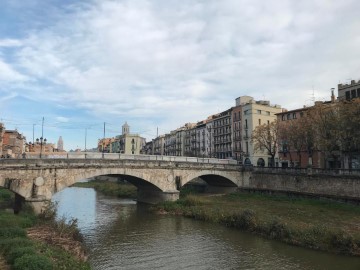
245,220
33,262
49,213
18,252
343,242
12,232
70,228
278,230
7,244
5,194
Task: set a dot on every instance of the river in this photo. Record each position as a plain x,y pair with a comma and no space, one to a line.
121,234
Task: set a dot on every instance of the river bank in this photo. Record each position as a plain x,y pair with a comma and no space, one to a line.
310,223
34,242
315,224
116,189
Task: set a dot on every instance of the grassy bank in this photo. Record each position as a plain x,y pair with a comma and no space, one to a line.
116,189
315,224
34,242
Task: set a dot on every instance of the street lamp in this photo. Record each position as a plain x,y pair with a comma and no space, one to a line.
42,141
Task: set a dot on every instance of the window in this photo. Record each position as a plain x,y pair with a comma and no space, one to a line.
259,111
267,113
283,117
301,114
246,112
353,93
347,94
358,92
259,122
247,148
246,124
268,122
288,116
294,115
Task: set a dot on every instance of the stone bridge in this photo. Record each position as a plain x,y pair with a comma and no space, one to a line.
158,178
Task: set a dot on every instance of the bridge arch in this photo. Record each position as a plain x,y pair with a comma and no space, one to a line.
218,178
141,180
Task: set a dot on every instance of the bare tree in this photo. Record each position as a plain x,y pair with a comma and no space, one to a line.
266,137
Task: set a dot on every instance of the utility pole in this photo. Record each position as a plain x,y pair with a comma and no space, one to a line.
33,133
85,140
103,148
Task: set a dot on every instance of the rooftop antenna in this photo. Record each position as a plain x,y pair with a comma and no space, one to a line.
313,94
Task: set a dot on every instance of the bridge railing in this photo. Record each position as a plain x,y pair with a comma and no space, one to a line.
117,156
355,172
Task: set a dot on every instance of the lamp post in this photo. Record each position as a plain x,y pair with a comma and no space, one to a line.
42,141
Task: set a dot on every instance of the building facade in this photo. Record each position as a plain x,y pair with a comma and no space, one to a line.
222,135
13,144
2,131
159,145
349,91
127,143
256,113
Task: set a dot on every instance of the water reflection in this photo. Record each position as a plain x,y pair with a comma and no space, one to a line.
123,235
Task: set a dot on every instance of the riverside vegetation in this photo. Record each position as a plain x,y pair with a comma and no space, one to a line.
116,189
32,242
311,223
316,224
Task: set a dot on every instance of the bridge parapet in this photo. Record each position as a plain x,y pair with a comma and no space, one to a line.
114,156
110,163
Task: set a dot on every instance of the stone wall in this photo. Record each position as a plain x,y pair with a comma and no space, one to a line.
345,187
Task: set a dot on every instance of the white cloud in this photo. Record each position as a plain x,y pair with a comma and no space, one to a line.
62,119
9,74
10,42
181,61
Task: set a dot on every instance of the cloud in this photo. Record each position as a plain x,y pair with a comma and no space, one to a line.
9,74
10,42
62,119
168,62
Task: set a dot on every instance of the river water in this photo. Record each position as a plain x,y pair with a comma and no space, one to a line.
121,234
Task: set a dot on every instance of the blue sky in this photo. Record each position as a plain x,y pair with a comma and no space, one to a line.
161,64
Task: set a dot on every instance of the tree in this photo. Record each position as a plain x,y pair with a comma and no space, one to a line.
295,136
336,130
266,137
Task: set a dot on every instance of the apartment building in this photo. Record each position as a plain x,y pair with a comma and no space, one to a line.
222,135
199,145
180,141
209,134
349,91
13,143
2,130
159,145
255,113
170,143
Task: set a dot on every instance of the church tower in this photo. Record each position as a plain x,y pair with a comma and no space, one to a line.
125,129
60,144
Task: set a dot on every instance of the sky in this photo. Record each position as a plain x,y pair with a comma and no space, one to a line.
159,64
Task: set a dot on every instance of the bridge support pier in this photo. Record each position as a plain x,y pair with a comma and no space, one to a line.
154,196
18,203
38,205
